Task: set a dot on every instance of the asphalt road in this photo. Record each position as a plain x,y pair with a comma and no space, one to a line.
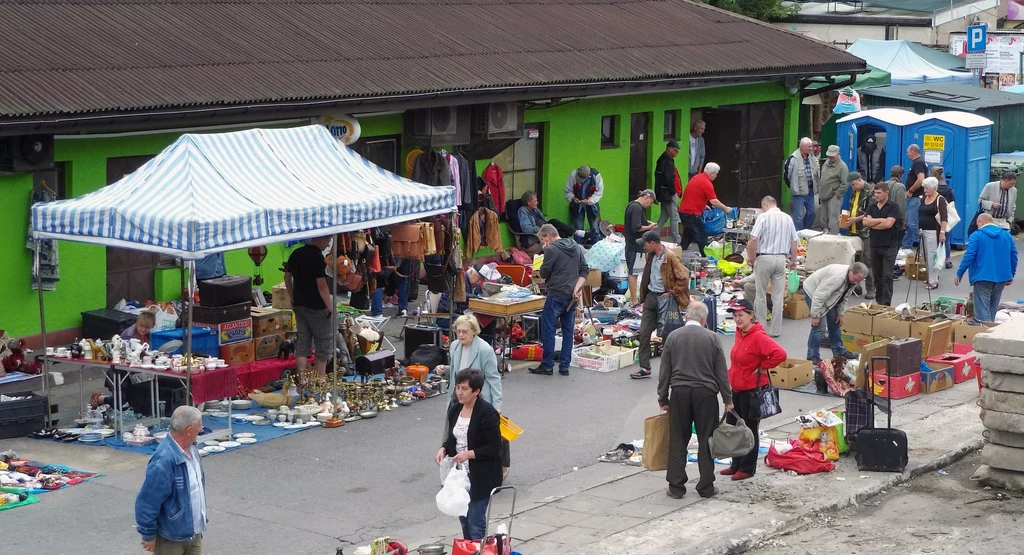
312,491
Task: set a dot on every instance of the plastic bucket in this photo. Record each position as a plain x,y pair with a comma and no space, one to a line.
509,431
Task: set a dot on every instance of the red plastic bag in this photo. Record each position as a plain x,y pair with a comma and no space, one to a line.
800,459
469,547
530,351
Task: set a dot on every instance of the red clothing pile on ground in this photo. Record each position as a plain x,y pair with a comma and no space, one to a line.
753,350
699,191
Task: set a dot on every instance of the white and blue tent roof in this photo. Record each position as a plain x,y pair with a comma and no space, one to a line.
209,193
905,66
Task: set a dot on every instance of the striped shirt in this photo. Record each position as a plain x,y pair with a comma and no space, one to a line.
775,232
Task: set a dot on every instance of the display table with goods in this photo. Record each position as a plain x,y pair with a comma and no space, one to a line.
507,303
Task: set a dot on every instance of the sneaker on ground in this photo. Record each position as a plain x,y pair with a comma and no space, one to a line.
640,374
403,313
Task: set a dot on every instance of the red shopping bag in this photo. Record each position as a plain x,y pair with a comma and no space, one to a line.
470,547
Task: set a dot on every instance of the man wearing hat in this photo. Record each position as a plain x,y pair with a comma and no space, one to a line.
665,176
871,161
583,190
665,280
834,181
635,225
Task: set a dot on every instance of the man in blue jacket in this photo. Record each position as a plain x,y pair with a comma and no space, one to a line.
170,510
991,270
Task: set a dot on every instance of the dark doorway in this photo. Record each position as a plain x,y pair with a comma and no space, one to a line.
382,151
129,272
746,141
639,155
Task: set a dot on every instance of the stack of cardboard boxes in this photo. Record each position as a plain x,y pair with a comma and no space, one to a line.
269,329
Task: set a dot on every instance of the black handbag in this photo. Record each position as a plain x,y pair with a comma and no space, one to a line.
765,402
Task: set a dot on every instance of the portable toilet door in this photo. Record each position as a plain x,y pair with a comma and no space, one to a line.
961,143
885,124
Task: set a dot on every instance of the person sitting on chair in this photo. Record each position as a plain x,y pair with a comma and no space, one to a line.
531,218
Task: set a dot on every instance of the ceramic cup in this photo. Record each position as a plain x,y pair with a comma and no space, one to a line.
282,417
272,413
49,351
61,351
147,360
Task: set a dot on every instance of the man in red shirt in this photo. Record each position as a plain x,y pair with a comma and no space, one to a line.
699,192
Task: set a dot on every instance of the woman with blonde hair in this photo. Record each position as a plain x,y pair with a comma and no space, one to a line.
932,229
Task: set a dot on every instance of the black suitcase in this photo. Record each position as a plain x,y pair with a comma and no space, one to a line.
417,335
224,291
881,450
375,363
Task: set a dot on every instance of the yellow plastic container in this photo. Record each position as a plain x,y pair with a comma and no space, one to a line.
509,431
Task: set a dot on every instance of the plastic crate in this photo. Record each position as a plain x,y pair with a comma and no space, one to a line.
602,363
204,340
20,418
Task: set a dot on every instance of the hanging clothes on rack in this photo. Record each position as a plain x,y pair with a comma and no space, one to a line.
483,231
470,199
431,168
453,166
494,186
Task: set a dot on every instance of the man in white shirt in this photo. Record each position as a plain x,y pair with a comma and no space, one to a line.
773,240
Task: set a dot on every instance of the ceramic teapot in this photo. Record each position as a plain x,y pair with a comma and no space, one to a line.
76,350
140,431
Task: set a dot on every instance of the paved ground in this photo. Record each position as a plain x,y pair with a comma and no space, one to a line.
317,490
944,514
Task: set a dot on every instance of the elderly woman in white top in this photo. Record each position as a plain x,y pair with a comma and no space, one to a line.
933,230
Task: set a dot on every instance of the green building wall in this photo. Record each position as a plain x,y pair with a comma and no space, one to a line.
572,136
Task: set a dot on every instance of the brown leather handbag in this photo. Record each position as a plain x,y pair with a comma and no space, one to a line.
405,241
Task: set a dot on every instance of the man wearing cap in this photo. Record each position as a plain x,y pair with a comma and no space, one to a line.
665,280
564,271
802,174
665,189
699,193
834,181
771,250
583,190
636,224
871,161
859,197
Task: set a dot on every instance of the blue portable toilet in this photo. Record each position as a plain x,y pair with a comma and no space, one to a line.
961,142
885,124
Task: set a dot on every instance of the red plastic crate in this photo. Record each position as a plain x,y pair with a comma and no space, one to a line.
902,386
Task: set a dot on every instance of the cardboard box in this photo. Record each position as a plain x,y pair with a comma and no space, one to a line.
962,333
594,278
963,365
268,346
919,328
936,378
796,308
288,317
877,349
860,319
238,353
888,324
856,342
916,269
792,373
902,386
279,297
231,332
938,339
267,321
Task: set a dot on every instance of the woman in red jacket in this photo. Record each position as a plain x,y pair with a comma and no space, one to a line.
753,354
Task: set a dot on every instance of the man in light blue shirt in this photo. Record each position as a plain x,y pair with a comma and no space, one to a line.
211,266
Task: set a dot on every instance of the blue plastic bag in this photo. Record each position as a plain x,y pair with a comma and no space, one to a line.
714,221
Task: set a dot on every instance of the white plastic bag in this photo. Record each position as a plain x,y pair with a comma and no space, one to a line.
446,466
939,257
453,499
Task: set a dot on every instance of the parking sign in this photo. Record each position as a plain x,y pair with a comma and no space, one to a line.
977,38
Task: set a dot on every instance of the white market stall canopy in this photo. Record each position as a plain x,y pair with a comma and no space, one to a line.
209,193
905,66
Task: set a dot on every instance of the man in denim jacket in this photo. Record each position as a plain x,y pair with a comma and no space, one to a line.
170,510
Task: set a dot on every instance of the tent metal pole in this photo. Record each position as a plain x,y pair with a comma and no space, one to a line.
188,332
334,320
42,331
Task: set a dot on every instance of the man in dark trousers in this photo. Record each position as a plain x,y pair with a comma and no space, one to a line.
693,374
636,224
664,277
665,188
564,271
885,225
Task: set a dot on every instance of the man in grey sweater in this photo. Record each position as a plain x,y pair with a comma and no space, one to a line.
692,375
564,271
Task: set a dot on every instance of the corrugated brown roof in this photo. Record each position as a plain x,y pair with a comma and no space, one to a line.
75,56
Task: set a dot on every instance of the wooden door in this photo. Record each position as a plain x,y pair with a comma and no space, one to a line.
723,141
130,272
764,153
639,154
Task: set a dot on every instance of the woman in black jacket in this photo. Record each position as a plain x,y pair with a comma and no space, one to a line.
475,438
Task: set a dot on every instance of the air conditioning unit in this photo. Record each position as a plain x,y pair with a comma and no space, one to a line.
502,117
448,125
26,153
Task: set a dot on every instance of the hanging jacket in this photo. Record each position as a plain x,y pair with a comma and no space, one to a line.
871,165
491,234
494,186
432,168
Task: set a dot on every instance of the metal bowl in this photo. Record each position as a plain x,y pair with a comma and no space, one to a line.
368,413
431,549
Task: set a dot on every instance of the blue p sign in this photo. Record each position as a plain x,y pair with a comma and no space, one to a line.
977,38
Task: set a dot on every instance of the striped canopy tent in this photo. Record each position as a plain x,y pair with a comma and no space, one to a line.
209,193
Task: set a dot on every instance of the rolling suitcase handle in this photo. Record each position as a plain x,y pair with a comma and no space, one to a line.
888,387
499,539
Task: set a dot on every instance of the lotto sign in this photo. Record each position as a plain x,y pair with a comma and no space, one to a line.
935,142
